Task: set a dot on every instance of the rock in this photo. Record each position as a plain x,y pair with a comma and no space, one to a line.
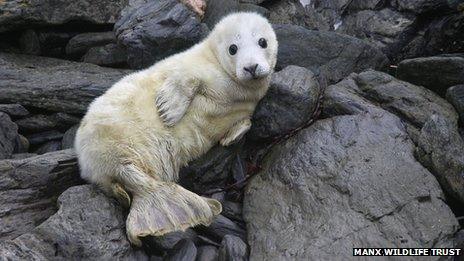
8,136
455,95
288,104
169,241
334,55
53,84
30,187
20,156
333,189
217,9
421,6
109,55
233,249
210,171
435,73
232,210
207,253
50,146
35,123
81,43
42,137
14,110
53,41
88,225
185,250
247,7
30,43
68,137
440,149
21,144
222,226
413,104
158,29
293,12
19,14
197,6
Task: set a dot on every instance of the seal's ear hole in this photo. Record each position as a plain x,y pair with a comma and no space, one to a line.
233,49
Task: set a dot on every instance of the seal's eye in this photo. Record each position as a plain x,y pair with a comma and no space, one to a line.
233,49
262,42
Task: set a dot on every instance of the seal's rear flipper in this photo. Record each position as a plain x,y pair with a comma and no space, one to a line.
167,207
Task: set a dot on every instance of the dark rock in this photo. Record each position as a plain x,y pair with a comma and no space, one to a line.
50,146
440,149
293,12
233,249
185,250
157,29
19,14
35,123
435,73
30,188
53,42
14,110
210,171
217,9
169,241
455,95
53,84
334,55
29,42
413,104
88,225
8,136
222,226
247,7
333,189
42,137
109,55
422,6
232,210
81,43
68,137
207,253
288,104
21,144
20,156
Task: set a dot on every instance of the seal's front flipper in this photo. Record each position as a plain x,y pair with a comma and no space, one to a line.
165,208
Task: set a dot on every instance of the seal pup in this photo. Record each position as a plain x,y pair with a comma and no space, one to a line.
136,136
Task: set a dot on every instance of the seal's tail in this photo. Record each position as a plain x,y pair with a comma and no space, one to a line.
160,207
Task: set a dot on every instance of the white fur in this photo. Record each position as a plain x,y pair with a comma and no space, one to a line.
152,122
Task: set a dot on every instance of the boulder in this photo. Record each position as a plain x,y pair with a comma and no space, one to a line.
69,136
455,95
233,249
217,9
88,225
111,55
41,122
30,187
333,189
8,136
168,241
157,29
18,14
14,110
331,54
53,84
222,226
185,250
49,146
42,137
440,149
288,104
81,43
207,253
435,73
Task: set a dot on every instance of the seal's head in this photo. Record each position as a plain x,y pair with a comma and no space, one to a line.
245,45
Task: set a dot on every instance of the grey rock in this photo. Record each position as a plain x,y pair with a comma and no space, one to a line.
421,6
42,137
35,123
88,225
185,250
155,30
293,12
20,156
440,149
207,253
21,144
222,226
30,187
232,210
69,136
53,84
169,241
50,146
217,9
248,7
30,43
8,136
18,14
109,55
435,73
233,249
289,102
331,54
333,189
81,43
455,95
14,110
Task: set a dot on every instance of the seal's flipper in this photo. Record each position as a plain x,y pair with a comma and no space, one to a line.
165,208
121,195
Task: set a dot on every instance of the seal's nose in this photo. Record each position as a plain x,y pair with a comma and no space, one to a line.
251,69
